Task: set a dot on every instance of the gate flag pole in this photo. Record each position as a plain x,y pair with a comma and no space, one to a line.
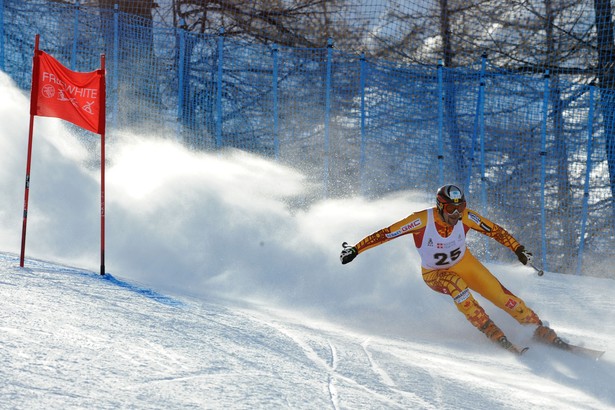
101,129
33,97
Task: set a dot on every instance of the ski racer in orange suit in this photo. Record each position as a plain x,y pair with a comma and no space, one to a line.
449,267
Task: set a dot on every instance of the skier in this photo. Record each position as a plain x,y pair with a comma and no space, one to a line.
449,267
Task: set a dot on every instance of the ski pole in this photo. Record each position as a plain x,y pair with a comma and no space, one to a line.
540,272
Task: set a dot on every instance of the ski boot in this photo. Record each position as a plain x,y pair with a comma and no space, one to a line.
506,344
494,333
546,335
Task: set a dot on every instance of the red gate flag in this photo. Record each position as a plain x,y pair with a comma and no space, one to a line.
75,97
72,96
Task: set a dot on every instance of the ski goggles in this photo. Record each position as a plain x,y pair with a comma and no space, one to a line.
452,208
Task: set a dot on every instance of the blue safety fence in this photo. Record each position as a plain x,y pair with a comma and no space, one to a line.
534,151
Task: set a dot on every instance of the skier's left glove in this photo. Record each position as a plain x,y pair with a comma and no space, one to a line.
348,253
524,256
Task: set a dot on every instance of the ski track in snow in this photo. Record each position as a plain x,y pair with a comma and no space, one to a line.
332,389
350,368
377,369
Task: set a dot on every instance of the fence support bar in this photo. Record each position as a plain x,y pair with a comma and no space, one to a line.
327,116
440,124
363,135
180,80
588,168
219,89
480,120
116,65
2,66
276,114
543,171
73,58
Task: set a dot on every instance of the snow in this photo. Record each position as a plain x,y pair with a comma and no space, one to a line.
225,291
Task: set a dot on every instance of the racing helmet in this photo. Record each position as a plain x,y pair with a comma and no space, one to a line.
450,199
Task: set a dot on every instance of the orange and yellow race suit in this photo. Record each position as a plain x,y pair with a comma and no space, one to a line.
449,267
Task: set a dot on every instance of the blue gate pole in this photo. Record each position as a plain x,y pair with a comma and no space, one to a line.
543,171
116,64
219,91
363,136
276,114
440,125
73,59
180,80
327,116
590,132
2,66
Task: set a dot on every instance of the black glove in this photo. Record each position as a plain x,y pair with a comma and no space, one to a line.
348,253
524,256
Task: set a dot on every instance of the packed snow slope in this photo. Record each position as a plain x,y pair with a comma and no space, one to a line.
225,291
73,339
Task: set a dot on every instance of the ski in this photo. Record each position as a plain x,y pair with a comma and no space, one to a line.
580,350
546,335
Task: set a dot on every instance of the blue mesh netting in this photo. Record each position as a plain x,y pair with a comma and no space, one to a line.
393,102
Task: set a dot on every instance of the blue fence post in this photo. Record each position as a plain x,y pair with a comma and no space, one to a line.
219,90
543,170
479,122
327,115
480,119
481,132
440,125
180,79
362,74
276,114
116,64
73,58
2,66
590,132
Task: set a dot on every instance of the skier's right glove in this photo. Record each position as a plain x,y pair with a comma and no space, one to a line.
524,256
348,253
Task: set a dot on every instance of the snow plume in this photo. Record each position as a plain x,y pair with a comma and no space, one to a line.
230,224
227,224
